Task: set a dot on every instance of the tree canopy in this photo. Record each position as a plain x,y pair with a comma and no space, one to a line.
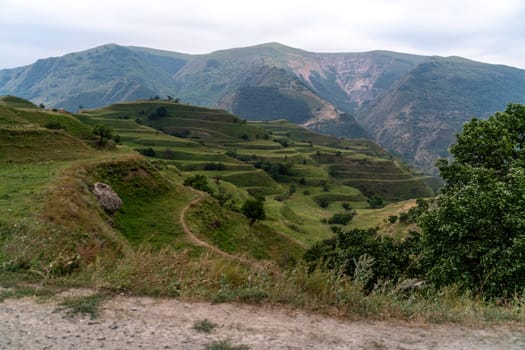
474,233
254,209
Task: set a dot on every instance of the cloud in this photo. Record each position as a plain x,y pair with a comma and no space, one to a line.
483,30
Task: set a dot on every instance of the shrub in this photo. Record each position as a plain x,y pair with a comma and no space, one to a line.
393,259
376,202
54,125
198,182
392,219
341,218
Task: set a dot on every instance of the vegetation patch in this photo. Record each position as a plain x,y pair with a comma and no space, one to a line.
82,305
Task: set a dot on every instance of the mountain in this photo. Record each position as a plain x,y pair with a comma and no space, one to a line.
410,104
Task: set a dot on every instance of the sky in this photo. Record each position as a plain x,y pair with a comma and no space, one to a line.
489,31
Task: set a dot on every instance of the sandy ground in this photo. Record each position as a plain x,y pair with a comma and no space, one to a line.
144,323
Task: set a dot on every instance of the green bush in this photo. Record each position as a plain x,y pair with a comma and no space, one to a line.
341,218
198,182
393,259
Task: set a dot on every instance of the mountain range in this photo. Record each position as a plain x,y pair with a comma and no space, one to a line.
410,104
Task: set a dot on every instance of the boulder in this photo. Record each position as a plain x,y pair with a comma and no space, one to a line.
107,198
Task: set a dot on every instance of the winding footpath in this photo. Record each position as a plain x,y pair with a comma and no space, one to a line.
197,241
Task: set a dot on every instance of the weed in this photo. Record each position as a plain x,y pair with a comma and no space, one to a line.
22,292
83,305
225,345
204,326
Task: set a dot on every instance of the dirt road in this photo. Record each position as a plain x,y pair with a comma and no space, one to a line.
144,323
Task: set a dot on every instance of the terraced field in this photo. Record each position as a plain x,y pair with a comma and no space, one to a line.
304,177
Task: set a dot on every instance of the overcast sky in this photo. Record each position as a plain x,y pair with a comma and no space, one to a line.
488,31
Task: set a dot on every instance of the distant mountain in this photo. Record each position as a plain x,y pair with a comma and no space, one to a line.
410,104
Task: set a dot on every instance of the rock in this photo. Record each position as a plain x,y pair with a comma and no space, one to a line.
107,198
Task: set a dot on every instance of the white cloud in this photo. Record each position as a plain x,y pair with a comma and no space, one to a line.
481,29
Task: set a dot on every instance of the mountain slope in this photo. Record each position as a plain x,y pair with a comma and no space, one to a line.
411,104
419,117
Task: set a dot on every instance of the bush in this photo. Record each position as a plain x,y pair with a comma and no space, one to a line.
341,218
198,182
393,259
376,202
148,152
54,125
392,219
214,166
253,209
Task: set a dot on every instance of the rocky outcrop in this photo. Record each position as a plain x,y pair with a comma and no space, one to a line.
107,197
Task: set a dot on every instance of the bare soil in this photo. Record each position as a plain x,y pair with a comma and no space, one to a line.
145,323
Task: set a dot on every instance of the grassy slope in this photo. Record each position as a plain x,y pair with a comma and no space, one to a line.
348,168
52,228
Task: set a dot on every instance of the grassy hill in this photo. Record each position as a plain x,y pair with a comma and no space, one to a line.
304,176
170,240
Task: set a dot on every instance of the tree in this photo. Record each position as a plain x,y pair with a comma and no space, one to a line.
474,232
376,202
253,209
104,133
198,182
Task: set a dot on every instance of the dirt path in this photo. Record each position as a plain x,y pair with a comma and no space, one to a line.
197,241
144,323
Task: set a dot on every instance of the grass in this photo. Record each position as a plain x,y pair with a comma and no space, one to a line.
225,345
52,229
83,305
18,292
232,233
204,326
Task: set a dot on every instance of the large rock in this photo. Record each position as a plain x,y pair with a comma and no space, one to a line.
107,198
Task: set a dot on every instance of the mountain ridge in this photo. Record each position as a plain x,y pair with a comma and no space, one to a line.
411,104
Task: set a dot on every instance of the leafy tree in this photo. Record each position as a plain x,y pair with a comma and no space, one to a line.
376,202
149,152
104,133
474,233
198,182
342,218
253,209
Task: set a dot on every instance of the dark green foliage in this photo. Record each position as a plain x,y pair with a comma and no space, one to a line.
103,132
54,125
284,142
346,206
149,152
376,202
342,218
323,202
392,259
253,209
160,112
276,170
474,233
198,182
414,213
392,219
214,166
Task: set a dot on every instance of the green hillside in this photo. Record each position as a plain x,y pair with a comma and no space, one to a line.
181,234
264,159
